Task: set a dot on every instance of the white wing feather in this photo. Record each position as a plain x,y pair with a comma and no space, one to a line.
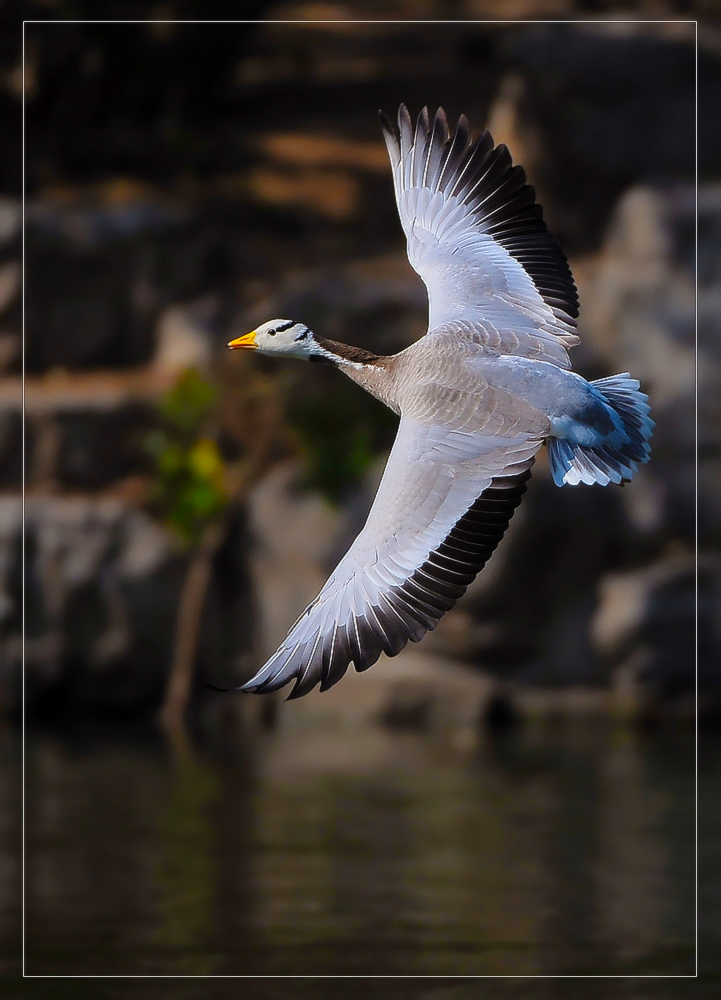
432,478
478,241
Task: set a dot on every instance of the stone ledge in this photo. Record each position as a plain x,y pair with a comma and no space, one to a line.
415,690
62,392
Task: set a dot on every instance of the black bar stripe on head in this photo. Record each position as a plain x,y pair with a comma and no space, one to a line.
285,326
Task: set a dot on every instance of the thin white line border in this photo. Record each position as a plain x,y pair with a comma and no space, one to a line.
590,21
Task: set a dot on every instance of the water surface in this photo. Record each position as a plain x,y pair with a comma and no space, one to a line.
560,848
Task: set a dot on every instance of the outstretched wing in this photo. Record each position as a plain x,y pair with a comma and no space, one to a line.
478,240
444,502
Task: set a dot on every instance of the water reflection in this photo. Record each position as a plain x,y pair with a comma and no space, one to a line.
343,850
187,872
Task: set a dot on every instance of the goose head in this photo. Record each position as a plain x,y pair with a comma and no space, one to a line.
279,337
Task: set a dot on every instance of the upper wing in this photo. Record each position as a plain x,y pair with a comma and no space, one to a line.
477,238
445,499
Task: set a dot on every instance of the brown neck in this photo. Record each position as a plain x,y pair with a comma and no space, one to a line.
345,352
373,372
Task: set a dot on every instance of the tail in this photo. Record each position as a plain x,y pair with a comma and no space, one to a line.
617,455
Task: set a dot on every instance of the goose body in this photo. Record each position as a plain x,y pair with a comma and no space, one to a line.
477,397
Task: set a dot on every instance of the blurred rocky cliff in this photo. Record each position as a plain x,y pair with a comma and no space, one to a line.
186,181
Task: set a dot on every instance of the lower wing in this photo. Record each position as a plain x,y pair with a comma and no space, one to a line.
444,502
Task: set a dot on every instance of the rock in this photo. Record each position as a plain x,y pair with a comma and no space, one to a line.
293,215
291,531
83,431
639,313
410,706
412,691
501,713
99,328
604,102
379,303
184,337
132,260
529,610
96,449
639,307
645,627
103,582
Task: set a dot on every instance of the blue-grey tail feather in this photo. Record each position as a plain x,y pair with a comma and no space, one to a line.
618,456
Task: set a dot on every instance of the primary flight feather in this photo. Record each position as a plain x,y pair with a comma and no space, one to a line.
477,396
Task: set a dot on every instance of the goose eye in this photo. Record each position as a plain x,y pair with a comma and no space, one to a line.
272,333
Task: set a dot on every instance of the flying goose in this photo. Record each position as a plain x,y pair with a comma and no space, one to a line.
477,396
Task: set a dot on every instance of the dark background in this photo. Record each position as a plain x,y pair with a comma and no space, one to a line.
186,181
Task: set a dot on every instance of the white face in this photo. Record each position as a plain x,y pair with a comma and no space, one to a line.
278,336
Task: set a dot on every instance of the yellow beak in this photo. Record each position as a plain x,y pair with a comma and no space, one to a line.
247,341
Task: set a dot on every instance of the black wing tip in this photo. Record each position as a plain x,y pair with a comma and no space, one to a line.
442,118
518,226
295,691
301,685
224,690
425,124
440,115
385,121
424,115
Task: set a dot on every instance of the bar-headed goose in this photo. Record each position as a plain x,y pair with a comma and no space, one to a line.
477,397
